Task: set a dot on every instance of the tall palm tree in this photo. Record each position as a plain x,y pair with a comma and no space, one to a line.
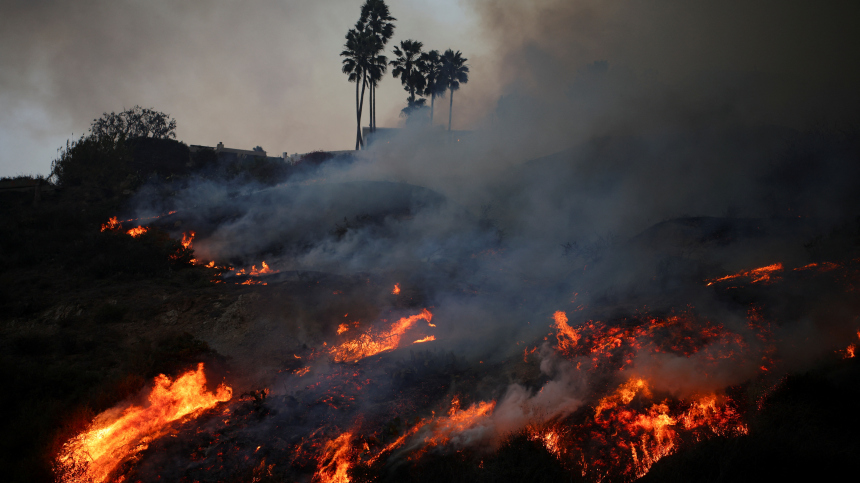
377,18
375,71
407,67
431,68
358,50
454,72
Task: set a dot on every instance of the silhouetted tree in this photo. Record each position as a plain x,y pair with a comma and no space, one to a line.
120,151
407,67
133,123
358,51
375,71
378,20
454,72
431,68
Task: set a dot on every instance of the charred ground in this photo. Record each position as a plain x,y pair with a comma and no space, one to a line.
91,317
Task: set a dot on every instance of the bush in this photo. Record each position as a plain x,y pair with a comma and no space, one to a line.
119,152
97,165
160,157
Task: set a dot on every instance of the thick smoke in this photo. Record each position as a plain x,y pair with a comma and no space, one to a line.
637,149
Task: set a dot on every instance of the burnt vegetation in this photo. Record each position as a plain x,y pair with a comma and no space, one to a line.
91,316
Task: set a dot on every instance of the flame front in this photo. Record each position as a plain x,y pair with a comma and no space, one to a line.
112,224
762,274
368,343
116,435
335,461
567,336
187,239
136,232
458,421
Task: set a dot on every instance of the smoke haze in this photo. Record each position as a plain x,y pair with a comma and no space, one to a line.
622,153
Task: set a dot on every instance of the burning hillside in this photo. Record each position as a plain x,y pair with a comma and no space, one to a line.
606,398
386,331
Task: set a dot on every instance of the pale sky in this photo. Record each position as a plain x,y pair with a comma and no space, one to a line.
259,72
267,72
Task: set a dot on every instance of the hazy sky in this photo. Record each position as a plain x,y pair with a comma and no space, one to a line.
260,72
267,72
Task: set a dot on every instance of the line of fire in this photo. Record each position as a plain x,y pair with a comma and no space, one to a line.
381,376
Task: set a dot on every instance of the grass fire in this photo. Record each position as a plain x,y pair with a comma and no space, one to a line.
628,251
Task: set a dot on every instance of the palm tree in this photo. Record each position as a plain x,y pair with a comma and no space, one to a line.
375,71
358,50
407,67
377,18
431,67
454,72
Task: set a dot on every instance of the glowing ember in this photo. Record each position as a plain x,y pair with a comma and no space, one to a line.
136,232
762,274
251,281
118,434
396,289
549,440
114,224
342,328
426,339
369,343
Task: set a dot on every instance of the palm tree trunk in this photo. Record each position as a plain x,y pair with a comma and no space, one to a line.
450,109
373,109
357,116
360,141
432,100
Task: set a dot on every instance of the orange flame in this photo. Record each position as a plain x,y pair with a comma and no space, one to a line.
549,439
342,328
761,274
187,239
396,289
335,461
459,420
118,434
264,269
112,224
368,344
426,339
652,433
567,336
136,232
